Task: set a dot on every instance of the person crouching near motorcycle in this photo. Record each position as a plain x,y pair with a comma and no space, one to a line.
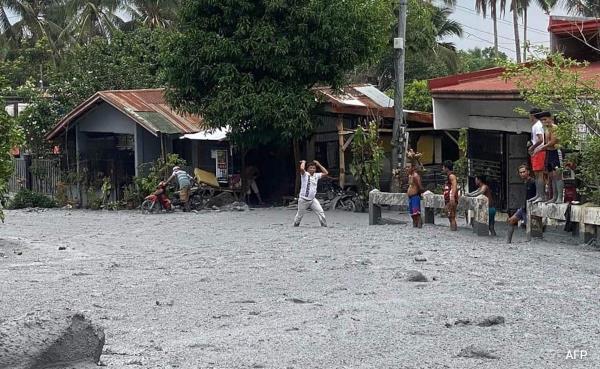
184,181
308,190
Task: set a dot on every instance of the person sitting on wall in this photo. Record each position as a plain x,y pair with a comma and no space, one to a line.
530,191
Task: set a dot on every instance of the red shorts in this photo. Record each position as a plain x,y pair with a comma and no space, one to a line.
538,161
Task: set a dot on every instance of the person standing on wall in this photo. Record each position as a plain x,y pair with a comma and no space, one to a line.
538,155
552,157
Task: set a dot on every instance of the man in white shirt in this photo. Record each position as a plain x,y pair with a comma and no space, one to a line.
308,190
538,155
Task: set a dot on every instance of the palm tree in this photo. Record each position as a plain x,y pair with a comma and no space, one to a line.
546,6
32,24
90,18
587,8
515,8
152,13
445,27
481,6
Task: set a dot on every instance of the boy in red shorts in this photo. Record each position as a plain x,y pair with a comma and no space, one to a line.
538,155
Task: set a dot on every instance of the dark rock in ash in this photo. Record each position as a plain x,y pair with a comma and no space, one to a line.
491,320
48,340
415,276
475,352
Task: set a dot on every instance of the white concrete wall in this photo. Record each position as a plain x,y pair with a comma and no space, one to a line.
105,118
497,115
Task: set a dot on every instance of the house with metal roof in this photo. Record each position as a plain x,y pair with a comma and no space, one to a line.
343,110
484,102
116,134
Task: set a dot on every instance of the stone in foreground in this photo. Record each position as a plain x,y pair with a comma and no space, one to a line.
40,341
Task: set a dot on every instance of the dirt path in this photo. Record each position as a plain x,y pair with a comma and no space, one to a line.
248,290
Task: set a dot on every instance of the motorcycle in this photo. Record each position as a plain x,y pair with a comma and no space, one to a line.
334,197
157,201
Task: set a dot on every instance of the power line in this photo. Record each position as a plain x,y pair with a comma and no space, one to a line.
489,42
499,20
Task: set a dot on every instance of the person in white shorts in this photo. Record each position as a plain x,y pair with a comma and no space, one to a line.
308,190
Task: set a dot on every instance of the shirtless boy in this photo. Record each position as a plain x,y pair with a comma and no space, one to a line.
415,188
451,193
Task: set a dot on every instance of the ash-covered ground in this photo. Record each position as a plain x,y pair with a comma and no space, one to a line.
248,290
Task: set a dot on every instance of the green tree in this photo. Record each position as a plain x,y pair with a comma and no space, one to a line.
250,64
128,61
10,136
37,119
477,59
555,83
417,96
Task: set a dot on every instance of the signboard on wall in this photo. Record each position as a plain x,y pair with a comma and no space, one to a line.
222,170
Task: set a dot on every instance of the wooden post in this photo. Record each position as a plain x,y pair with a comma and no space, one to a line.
340,128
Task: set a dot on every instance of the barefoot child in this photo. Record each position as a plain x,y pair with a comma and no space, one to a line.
451,193
308,190
415,189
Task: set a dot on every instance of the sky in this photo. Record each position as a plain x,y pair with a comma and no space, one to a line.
479,32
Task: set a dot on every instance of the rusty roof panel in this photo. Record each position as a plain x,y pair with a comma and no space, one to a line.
139,105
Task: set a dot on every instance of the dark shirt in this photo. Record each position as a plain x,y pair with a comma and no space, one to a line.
531,191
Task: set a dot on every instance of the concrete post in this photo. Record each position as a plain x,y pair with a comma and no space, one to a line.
481,212
374,210
428,216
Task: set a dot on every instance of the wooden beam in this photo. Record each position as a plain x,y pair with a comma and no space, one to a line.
340,128
347,143
451,137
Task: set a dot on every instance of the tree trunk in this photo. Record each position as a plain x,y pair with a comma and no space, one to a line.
515,10
495,19
296,145
525,46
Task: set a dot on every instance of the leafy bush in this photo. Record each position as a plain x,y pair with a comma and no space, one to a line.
158,171
367,161
590,169
28,199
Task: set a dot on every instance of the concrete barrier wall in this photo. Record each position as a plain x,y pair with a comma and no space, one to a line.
429,202
587,217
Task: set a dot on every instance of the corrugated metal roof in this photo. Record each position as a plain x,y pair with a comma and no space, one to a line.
491,82
357,99
366,100
146,107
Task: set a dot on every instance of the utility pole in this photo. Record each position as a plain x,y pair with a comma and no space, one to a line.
399,129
